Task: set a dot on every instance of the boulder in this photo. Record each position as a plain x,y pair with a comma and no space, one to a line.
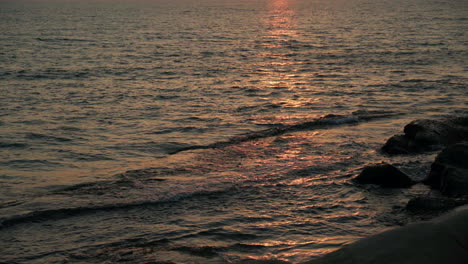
427,204
439,241
449,171
384,175
425,135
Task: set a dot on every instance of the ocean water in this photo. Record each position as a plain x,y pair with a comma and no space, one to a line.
213,131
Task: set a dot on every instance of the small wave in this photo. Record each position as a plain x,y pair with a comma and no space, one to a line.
56,214
320,75
63,213
64,39
166,97
87,156
12,145
10,203
126,180
322,122
168,73
96,188
203,251
130,246
416,81
153,172
223,234
51,74
30,164
71,128
155,147
209,54
46,137
261,107
213,251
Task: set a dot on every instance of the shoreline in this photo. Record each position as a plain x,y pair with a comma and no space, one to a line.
440,235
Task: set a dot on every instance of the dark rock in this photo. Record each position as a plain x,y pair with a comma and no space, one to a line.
398,144
449,172
429,204
425,135
384,175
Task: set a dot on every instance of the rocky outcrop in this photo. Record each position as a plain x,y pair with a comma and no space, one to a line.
425,135
439,241
449,172
384,175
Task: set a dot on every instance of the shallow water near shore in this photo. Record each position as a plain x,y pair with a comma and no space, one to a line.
213,132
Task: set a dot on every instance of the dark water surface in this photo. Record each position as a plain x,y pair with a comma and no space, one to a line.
212,131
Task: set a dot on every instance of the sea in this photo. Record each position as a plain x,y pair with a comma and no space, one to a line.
214,131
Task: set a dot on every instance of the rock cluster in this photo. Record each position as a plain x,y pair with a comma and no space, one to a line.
449,172
425,135
449,176
442,240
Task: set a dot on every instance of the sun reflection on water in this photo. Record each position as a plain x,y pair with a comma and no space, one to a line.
280,31
278,69
281,16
